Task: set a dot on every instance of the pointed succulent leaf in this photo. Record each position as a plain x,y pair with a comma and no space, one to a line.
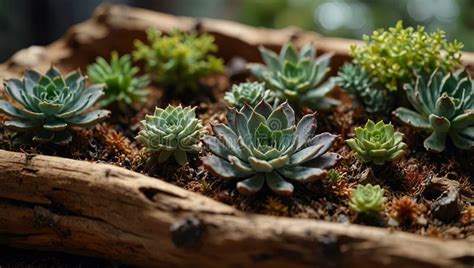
251,185
278,184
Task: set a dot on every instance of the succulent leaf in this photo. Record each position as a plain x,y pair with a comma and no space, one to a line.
378,143
173,131
122,85
50,106
444,107
297,77
264,145
367,199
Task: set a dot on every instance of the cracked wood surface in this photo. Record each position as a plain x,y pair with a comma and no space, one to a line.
52,203
58,204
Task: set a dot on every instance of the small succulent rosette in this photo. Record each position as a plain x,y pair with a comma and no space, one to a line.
298,77
265,145
250,92
173,131
377,143
367,199
122,85
48,106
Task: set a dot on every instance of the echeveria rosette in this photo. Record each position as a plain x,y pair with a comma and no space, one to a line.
367,199
378,143
298,77
49,105
122,85
263,144
172,131
444,106
250,92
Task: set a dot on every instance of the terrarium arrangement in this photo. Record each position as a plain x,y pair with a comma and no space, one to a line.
395,152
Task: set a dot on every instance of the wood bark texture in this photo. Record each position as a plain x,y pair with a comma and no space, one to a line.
58,204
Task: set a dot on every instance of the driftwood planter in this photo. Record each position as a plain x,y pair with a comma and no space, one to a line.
52,203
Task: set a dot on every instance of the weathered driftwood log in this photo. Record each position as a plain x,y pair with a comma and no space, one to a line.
52,203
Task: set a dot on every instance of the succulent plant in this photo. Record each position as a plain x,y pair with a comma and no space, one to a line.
367,199
179,60
392,56
263,144
444,106
361,87
297,77
250,93
121,84
377,143
171,131
50,105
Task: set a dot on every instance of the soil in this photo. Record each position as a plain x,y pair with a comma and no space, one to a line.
407,182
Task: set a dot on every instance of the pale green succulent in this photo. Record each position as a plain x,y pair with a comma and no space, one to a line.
250,93
172,131
444,106
297,77
122,86
367,199
361,87
264,144
378,143
49,105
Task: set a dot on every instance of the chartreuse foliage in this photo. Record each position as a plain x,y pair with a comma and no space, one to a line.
444,107
298,77
391,56
363,88
172,131
264,144
377,143
179,60
122,86
49,105
249,92
367,199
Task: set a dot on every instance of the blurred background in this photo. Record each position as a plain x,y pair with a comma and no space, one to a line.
39,22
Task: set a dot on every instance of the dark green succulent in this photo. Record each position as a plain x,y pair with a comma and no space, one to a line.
172,131
444,106
297,77
49,105
263,144
180,60
367,199
250,93
121,84
361,87
377,143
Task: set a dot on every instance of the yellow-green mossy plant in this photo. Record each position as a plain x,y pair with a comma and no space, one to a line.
180,60
392,56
